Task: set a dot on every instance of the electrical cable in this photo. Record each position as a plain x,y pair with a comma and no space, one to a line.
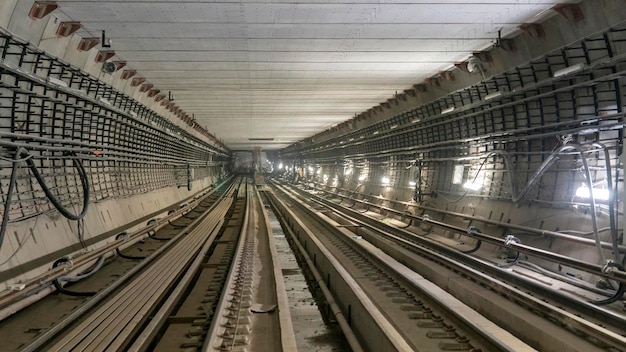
57,282
176,226
566,278
508,240
582,233
122,255
511,263
81,232
16,161
11,187
54,200
552,158
620,289
478,242
407,225
152,235
474,249
20,155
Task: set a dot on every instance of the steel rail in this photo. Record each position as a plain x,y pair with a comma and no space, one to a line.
344,325
536,252
178,243
213,340
142,342
9,297
491,333
392,336
541,232
573,321
287,335
113,324
488,274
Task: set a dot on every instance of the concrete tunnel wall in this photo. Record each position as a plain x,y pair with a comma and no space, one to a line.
380,143
31,245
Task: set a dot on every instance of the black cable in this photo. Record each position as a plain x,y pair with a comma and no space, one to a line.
508,240
618,293
478,242
122,255
511,263
7,202
54,200
176,226
407,225
476,247
22,154
81,232
60,287
152,235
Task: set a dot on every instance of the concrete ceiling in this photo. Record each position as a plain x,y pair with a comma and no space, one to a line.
287,69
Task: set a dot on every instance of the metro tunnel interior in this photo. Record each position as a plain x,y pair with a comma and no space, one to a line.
488,187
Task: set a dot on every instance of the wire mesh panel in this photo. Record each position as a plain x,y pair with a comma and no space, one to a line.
536,124
56,120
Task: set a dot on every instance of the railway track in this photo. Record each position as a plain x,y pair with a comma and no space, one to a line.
112,318
213,286
363,245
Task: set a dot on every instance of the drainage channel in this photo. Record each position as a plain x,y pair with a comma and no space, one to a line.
313,325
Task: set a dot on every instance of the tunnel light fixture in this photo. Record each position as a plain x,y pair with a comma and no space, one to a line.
412,183
416,121
447,111
393,127
493,95
598,193
386,181
457,176
280,166
569,70
375,133
473,185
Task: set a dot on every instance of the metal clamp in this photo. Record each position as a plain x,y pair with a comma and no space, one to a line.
510,239
472,230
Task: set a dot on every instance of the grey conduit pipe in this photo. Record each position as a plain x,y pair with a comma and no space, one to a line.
609,184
